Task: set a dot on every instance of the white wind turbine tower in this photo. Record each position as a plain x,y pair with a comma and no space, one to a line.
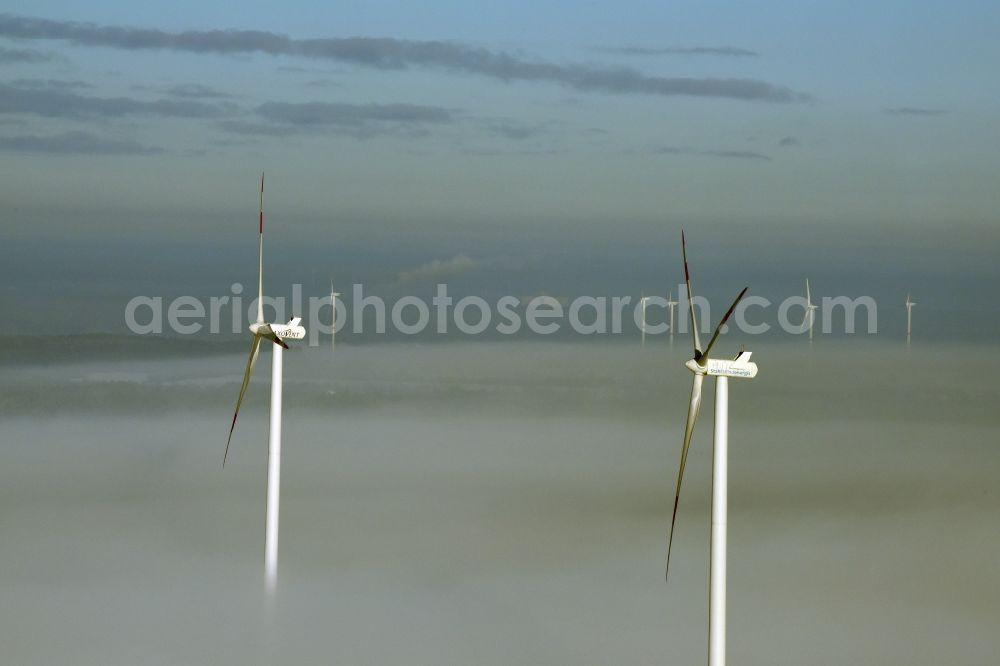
909,316
671,303
702,365
275,333
333,326
810,312
643,300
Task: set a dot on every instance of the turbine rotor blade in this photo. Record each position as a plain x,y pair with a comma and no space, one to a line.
260,256
808,297
687,280
718,329
692,417
254,349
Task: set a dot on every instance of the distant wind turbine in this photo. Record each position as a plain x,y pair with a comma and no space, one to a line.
909,316
810,315
643,300
275,333
702,365
671,303
333,327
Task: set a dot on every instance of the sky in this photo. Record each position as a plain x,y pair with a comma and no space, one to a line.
850,141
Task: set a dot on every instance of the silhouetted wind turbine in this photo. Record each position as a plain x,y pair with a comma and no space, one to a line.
909,316
671,304
643,300
333,327
810,316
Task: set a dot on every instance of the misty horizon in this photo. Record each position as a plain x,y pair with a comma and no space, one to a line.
488,501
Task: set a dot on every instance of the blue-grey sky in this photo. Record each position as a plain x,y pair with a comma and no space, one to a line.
851,138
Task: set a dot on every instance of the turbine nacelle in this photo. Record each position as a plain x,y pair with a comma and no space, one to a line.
290,331
740,367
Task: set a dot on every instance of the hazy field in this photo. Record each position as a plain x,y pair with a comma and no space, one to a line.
501,504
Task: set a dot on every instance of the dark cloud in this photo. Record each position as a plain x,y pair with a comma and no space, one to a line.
50,84
515,131
736,154
788,141
323,83
388,53
255,128
56,103
360,120
23,55
728,154
195,91
915,111
352,115
730,51
397,54
74,143
673,150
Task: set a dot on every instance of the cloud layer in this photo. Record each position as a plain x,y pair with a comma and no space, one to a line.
55,102
353,115
728,154
730,51
915,111
358,120
74,143
389,53
23,56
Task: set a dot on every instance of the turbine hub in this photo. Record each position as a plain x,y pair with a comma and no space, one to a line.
694,366
740,367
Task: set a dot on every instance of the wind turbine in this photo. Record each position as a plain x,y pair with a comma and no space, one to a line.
333,327
702,365
909,316
275,333
643,300
671,303
810,312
